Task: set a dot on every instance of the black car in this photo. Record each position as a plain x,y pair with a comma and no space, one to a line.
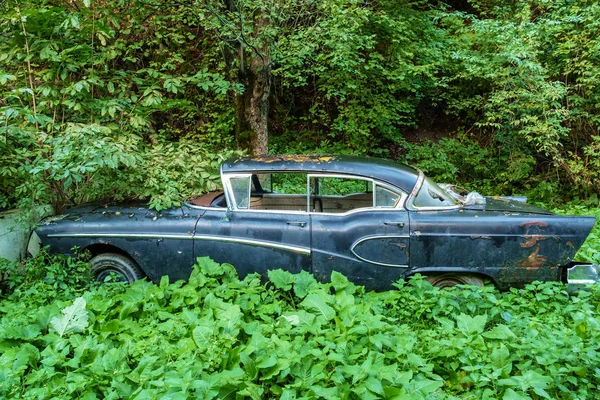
373,220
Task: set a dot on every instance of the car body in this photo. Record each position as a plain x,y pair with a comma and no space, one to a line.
374,220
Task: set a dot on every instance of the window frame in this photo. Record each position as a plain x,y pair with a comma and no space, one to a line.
228,189
399,204
410,203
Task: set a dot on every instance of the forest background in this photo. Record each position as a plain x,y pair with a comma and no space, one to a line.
114,99
141,98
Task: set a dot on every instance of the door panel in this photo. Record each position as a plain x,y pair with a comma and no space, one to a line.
255,241
370,247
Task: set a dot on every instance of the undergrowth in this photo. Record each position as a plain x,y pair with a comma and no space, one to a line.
216,336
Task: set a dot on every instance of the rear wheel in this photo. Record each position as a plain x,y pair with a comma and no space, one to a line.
122,268
452,279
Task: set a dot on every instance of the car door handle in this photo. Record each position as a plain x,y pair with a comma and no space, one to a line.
399,224
301,224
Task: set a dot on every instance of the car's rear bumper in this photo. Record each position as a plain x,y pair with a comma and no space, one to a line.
580,275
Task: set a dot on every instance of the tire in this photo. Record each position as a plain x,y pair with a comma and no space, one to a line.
124,268
451,279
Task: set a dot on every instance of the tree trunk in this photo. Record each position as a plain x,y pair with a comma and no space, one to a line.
257,111
252,106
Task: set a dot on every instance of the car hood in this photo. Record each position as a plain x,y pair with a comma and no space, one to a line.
507,205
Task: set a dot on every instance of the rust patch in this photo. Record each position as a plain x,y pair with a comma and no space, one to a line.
481,237
295,158
570,244
532,240
533,261
400,245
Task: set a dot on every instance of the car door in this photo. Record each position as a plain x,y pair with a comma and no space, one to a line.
362,233
254,238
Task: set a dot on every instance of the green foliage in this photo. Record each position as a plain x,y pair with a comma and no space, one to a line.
114,99
44,274
74,319
463,160
92,102
296,338
359,72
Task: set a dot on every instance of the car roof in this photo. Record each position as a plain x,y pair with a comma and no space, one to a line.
388,171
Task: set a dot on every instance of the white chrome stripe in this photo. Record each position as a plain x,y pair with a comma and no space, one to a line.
261,243
123,235
359,241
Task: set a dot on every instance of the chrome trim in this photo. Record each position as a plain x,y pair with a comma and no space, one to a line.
364,239
261,243
307,192
356,210
580,275
123,235
196,207
374,183
243,210
225,178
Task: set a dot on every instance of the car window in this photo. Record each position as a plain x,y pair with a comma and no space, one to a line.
385,197
339,194
283,183
240,187
281,191
431,195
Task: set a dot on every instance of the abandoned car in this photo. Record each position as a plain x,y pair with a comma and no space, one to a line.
375,221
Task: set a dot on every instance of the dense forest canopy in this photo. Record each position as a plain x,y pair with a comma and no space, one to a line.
142,98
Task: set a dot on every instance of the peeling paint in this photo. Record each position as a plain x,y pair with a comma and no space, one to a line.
532,240
533,261
534,223
295,158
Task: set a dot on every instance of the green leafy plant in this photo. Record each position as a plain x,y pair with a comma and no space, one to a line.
215,335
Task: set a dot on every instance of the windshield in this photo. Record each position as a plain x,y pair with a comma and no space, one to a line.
431,195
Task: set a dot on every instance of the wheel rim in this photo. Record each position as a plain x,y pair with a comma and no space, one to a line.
447,283
118,276
450,280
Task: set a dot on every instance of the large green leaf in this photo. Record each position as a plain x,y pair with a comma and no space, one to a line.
317,302
469,325
74,318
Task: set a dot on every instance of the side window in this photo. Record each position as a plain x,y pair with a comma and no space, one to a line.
240,186
288,183
385,197
339,194
283,191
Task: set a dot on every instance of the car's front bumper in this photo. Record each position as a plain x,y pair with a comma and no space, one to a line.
580,275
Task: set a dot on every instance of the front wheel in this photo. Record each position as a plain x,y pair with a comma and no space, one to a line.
451,279
123,268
